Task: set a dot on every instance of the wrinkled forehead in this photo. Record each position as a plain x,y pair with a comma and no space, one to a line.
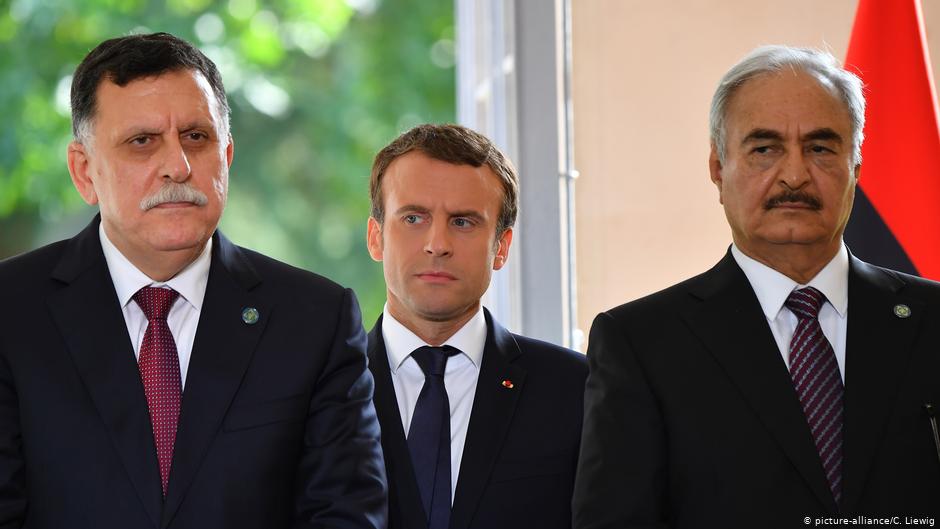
182,90
790,93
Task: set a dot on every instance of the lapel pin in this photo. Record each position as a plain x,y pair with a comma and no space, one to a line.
250,315
902,311
508,384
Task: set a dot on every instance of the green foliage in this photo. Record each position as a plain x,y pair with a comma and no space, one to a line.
317,87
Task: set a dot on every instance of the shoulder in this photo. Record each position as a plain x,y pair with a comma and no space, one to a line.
288,281
899,282
662,304
548,356
22,270
280,272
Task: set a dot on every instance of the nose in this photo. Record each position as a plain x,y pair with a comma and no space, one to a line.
438,243
796,173
175,163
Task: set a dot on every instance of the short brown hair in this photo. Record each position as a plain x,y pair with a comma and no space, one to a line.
452,144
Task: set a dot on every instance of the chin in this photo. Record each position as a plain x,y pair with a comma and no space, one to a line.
440,313
180,241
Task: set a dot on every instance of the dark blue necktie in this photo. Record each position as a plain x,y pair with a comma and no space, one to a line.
429,436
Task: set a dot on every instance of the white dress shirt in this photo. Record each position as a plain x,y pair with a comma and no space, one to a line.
184,314
773,288
460,377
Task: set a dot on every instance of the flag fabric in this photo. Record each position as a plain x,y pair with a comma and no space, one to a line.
896,218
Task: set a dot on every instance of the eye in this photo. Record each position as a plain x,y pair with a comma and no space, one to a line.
820,149
412,219
762,149
140,140
462,222
195,136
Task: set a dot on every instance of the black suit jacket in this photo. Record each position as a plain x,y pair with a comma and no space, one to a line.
276,430
691,419
521,450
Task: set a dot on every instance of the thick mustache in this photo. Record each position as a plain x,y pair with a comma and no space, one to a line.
791,197
174,192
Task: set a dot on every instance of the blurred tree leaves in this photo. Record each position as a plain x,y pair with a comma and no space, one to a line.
317,87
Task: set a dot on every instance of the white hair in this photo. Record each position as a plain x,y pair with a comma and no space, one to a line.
770,59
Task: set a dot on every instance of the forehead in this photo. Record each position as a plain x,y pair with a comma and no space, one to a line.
180,94
417,179
786,101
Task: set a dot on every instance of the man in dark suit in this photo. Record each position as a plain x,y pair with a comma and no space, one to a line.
153,374
480,427
791,384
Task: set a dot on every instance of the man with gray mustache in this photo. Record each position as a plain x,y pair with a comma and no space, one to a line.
152,373
792,384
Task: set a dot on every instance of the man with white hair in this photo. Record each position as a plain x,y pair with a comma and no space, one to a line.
152,373
791,383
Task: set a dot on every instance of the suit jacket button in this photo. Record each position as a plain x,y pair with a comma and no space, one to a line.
902,311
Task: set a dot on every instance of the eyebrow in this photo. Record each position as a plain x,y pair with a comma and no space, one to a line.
412,208
823,134
762,134
469,214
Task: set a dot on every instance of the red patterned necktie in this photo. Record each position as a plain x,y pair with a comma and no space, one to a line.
160,372
815,374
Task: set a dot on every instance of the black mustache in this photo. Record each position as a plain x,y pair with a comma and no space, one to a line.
791,197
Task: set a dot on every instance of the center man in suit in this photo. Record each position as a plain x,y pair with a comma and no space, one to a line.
790,383
152,373
480,427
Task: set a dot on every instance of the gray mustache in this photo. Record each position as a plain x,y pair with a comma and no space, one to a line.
174,192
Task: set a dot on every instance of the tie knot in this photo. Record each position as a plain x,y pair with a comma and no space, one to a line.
433,360
155,302
805,302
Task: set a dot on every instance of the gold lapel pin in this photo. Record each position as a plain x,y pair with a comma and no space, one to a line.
508,384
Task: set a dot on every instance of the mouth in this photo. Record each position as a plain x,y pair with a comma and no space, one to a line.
793,205
174,205
435,276
794,201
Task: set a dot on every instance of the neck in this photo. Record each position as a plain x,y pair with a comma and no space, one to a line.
799,262
160,266
433,332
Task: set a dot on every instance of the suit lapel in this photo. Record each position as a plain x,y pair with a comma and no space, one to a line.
732,326
89,317
397,457
493,409
878,352
222,350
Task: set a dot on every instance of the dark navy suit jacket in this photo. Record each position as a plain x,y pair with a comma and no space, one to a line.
277,427
691,419
519,459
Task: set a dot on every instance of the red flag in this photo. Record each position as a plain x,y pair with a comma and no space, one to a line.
900,176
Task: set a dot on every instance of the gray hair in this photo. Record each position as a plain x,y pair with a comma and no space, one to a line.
769,59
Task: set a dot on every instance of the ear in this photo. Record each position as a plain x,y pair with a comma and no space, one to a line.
80,172
230,151
857,172
714,170
502,249
374,239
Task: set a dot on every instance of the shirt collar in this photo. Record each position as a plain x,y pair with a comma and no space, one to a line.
400,342
772,288
128,279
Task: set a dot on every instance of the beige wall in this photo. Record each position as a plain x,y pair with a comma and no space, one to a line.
643,76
